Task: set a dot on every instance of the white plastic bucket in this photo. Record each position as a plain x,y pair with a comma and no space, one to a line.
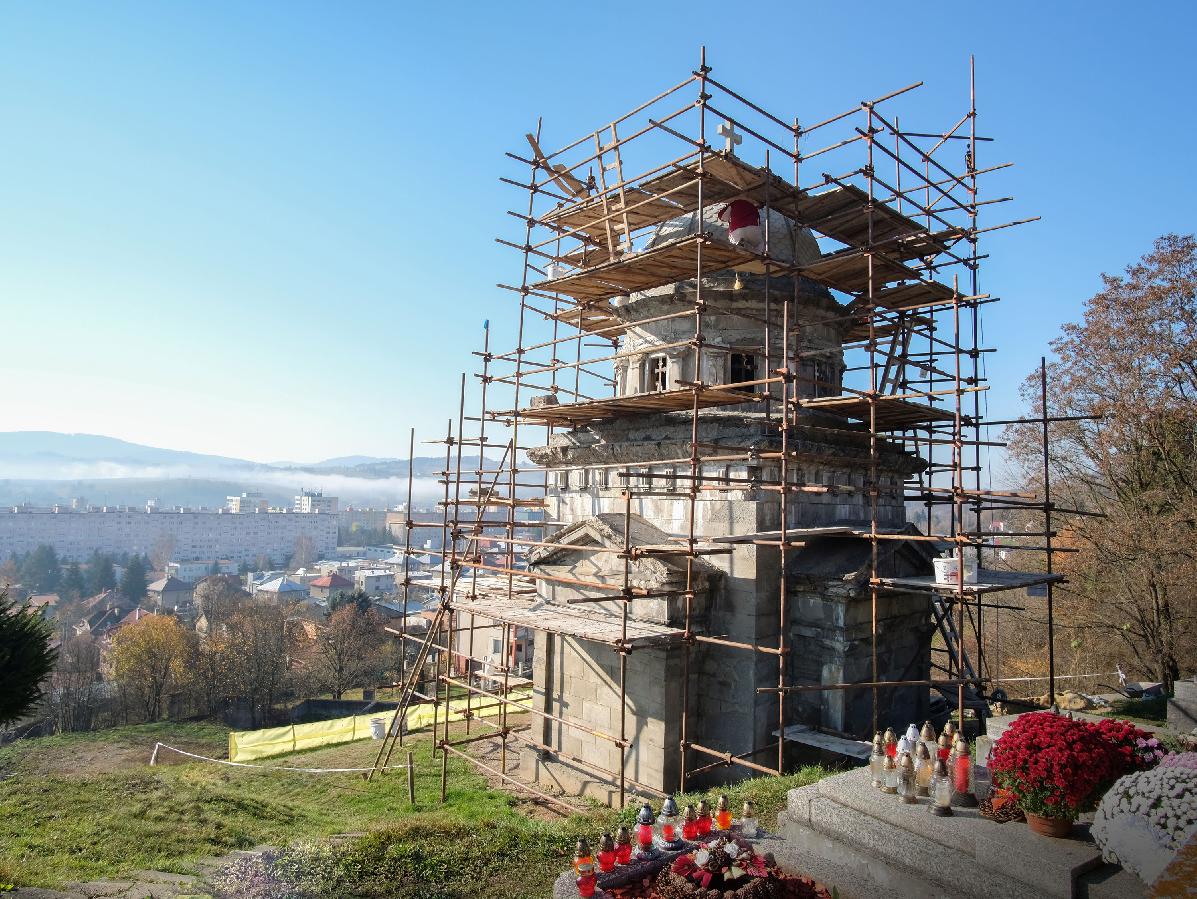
946,570
378,728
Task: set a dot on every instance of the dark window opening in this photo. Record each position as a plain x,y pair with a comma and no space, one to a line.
743,368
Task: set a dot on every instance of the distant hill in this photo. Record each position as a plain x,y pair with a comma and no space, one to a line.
45,467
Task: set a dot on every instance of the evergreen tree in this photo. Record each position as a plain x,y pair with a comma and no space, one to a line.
40,572
101,575
73,585
26,659
133,582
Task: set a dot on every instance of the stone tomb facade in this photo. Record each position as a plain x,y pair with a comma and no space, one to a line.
828,620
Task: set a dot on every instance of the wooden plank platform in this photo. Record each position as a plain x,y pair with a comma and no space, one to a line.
808,736
572,621
988,581
841,212
637,404
593,317
666,263
800,534
892,413
644,208
848,271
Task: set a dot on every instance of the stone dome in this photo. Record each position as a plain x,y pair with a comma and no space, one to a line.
788,242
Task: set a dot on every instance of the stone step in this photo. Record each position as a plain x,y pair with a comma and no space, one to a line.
899,846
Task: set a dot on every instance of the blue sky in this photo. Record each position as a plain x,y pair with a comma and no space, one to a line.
266,230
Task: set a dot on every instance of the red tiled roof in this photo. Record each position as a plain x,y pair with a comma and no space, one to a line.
331,580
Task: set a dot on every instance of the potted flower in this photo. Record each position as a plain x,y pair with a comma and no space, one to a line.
1055,767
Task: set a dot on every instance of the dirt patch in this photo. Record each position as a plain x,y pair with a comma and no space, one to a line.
74,757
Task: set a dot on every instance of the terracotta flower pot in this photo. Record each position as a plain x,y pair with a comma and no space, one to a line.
1049,827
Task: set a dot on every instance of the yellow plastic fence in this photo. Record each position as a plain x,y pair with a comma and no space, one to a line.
247,745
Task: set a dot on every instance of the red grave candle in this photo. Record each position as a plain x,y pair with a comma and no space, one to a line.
623,853
962,775
644,834
723,818
607,861
586,884
668,832
690,830
704,824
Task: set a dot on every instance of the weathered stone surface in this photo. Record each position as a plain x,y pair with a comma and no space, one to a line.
901,846
1182,707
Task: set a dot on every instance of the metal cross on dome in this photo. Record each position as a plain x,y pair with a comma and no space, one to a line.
732,137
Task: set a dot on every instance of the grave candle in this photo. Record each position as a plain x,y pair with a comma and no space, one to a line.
689,823
962,776
923,769
906,788
912,735
667,822
891,742
723,815
582,856
927,735
941,790
748,822
623,845
606,856
877,760
644,826
889,779
704,818
944,746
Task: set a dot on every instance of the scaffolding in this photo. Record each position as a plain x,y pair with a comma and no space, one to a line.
898,234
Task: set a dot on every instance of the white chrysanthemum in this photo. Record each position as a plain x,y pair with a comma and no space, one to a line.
1145,818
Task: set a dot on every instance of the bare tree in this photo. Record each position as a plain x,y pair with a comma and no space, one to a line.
349,651
74,686
218,598
1132,363
162,551
258,652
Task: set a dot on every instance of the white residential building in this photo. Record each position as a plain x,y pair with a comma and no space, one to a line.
247,502
314,501
198,569
375,581
196,535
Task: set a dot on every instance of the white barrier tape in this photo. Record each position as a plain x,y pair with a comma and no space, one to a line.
204,758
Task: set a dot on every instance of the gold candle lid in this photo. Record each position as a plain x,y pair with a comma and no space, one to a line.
890,736
950,728
961,745
890,764
704,807
944,742
878,747
607,844
689,814
921,752
623,835
928,732
583,848
907,762
722,802
941,768
749,810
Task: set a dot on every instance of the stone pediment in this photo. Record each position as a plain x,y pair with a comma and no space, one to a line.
659,571
573,560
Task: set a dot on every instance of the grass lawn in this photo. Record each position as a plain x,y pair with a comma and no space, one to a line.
85,806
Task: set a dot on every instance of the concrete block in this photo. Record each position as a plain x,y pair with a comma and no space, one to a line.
1182,707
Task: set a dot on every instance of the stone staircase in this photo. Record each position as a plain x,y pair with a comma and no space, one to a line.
870,845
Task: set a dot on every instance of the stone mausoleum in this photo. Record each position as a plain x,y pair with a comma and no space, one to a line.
738,589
